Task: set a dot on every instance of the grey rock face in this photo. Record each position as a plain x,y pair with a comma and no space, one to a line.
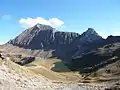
90,35
63,44
87,41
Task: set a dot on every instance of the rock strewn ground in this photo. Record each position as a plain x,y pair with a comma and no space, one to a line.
10,80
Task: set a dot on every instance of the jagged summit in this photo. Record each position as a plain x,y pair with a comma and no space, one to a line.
90,35
43,27
90,31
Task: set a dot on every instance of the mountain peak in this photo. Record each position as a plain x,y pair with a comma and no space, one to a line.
90,31
43,27
38,25
90,35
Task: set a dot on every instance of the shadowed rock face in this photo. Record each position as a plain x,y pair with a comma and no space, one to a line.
26,60
87,41
112,39
97,59
63,44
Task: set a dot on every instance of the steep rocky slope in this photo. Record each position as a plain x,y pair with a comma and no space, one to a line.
98,59
87,41
11,78
60,44
102,64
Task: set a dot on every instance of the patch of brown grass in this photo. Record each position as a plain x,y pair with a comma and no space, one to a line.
18,69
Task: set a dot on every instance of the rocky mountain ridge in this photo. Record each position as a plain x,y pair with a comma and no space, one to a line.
62,44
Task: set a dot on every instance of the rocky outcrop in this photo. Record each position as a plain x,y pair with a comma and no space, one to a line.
26,60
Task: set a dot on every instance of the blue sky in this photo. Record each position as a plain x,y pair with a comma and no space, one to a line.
66,15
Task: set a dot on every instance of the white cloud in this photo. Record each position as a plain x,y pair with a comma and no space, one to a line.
29,22
56,22
6,17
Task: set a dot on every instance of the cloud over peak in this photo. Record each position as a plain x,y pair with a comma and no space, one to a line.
29,22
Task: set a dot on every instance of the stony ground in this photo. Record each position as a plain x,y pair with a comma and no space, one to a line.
10,80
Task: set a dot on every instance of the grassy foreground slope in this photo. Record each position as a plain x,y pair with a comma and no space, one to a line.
60,72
